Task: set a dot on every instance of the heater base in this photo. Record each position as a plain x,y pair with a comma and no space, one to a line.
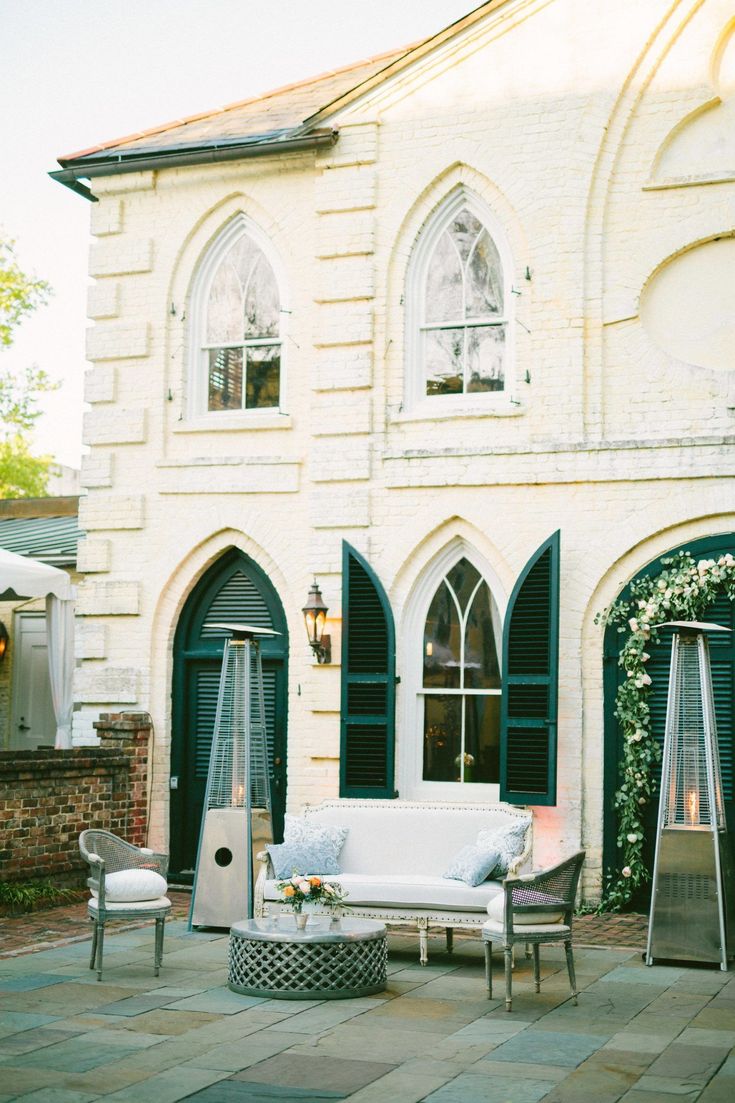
689,898
223,884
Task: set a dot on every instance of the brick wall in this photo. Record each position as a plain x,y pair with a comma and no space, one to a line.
48,797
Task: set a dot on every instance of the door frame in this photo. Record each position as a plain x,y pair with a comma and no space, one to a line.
21,618
186,656
612,747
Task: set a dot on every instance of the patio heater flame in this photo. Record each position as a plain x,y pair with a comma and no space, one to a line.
237,804
693,881
692,804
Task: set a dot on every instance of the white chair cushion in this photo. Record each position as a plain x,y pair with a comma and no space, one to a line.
131,905
132,885
412,891
492,929
495,910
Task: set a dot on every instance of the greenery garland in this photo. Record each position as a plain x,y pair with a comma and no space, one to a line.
683,590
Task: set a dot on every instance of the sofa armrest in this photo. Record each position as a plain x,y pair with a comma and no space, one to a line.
266,873
264,857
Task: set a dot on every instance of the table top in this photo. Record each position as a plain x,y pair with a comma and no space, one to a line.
282,928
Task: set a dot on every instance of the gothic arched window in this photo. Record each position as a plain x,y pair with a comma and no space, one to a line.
459,305
461,680
239,340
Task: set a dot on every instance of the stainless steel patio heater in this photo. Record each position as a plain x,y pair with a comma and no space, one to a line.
692,906
236,822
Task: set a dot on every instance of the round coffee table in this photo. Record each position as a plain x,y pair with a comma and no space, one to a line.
270,957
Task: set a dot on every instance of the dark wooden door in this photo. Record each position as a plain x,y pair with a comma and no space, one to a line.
236,590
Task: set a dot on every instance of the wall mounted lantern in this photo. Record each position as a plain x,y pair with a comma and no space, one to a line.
3,641
315,617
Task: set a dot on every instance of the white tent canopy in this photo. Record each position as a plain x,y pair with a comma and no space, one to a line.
20,578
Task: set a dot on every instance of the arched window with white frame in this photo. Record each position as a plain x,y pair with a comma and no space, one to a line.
453,640
460,303
237,326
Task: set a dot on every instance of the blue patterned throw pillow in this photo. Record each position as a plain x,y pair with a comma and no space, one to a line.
306,858
509,841
473,864
303,831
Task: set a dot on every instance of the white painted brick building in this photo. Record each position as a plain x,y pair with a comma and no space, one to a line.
594,142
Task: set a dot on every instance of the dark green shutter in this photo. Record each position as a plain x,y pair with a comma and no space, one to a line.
368,682
530,682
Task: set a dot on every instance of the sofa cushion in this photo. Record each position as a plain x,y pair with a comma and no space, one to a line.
305,857
409,891
495,910
131,885
473,864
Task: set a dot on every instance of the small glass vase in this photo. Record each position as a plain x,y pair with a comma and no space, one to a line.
301,920
335,922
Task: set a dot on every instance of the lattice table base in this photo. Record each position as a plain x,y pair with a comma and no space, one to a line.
320,963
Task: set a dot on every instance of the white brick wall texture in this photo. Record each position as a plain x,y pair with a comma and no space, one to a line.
112,511
120,258
625,449
94,556
108,599
117,341
120,426
96,469
99,384
103,299
106,217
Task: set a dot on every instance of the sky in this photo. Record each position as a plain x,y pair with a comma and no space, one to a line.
77,72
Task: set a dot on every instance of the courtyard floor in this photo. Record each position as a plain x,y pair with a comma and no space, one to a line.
638,1034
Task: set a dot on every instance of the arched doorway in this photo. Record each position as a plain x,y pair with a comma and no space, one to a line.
233,589
722,651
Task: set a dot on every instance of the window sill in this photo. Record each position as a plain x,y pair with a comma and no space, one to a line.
425,411
453,791
235,422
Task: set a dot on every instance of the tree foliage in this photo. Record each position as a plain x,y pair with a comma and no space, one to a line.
22,475
20,294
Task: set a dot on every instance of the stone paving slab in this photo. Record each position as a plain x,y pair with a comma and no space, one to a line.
638,1034
470,1086
315,1073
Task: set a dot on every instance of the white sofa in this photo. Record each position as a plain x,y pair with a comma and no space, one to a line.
394,857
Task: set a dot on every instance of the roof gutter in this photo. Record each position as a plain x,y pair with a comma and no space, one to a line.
212,153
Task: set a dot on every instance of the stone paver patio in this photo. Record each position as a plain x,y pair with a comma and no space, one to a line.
638,1034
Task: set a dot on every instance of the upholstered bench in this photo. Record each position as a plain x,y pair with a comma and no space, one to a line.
395,853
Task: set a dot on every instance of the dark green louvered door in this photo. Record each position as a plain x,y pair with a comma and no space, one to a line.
530,678
722,657
233,590
368,682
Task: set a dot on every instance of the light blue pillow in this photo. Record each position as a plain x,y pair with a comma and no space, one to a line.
304,831
307,858
509,841
473,864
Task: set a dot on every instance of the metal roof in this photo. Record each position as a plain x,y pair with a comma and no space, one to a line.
50,539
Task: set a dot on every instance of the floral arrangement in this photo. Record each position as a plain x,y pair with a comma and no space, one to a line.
300,890
683,590
469,760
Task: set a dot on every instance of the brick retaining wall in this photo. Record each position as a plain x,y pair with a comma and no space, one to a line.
47,797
